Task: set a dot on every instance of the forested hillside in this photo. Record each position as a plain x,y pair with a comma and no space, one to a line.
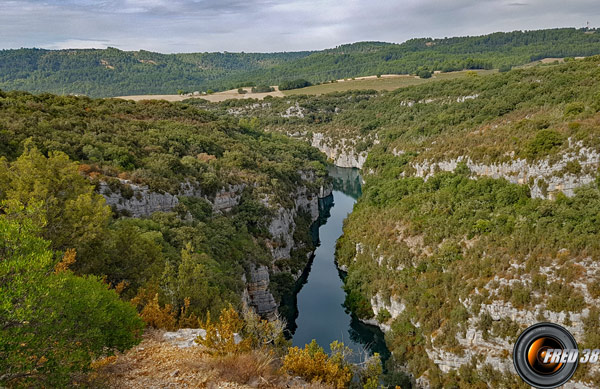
479,216
112,72
474,255
205,193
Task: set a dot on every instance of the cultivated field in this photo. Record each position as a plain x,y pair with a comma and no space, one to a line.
385,82
213,97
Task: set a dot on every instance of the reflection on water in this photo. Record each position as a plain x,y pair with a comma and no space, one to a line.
319,312
347,181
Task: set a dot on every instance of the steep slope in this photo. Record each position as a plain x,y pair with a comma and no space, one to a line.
204,210
465,234
478,217
112,72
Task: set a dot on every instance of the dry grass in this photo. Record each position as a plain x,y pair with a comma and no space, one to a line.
157,363
214,97
386,82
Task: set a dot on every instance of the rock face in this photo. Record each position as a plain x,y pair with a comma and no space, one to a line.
495,349
342,152
545,178
258,294
282,229
143,202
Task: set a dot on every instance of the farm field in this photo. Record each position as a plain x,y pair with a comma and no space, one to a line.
385,82
213,97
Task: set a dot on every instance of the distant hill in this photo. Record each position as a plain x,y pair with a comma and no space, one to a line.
112,72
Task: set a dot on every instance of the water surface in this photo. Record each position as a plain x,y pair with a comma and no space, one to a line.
321,313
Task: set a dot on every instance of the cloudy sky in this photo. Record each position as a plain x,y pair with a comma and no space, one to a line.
268,25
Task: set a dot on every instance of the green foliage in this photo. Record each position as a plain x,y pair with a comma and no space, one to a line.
75,216
383,315
439,273
294,84
124,147
52,323
203,281
543,143
262,89
574,108
112,72
424,73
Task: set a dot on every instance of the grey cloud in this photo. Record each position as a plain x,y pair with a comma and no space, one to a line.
269,25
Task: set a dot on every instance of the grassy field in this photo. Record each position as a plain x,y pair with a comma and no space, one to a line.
385,82
213,97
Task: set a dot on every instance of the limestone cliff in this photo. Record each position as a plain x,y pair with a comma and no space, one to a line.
342,151
545,177
136,200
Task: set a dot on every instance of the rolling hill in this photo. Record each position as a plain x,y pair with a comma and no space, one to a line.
112,72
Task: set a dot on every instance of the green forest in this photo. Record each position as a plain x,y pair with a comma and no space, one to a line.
460,233
443,242
81,280
77,276
112,72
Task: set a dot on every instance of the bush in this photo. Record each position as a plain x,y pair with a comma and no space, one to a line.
262,89
424,73
383,315
295,84
52,322
543,143
574,108
314,365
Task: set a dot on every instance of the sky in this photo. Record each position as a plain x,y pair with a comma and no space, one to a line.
172,26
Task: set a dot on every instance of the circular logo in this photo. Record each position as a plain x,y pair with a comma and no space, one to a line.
545,355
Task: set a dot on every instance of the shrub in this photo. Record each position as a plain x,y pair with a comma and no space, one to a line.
294,84
262,89
52,322
383,315
221,336
314,365
543,143
574,108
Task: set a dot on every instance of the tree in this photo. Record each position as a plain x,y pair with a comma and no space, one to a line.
75,216
52,322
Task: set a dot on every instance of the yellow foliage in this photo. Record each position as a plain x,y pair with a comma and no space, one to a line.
220,335
101,362
121,286
187,320
67,260
313,364
158,317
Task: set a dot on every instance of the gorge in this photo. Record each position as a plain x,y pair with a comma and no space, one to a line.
320,301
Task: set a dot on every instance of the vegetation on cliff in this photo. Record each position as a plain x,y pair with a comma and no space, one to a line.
455,247
176,266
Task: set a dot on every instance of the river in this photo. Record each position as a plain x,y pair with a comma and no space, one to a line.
320,309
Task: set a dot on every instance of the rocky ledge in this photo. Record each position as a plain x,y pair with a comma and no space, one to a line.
140,201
